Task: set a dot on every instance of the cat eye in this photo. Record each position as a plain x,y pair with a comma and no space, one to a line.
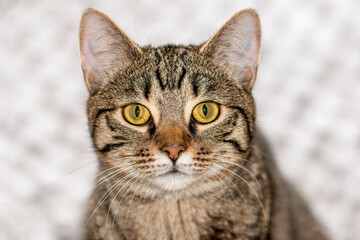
206,112
136,114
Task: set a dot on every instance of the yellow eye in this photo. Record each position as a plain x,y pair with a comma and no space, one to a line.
206,112
136,114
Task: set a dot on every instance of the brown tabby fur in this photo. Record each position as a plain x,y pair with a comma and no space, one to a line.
230,187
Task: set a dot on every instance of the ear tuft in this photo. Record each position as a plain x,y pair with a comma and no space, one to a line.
103,46
236,45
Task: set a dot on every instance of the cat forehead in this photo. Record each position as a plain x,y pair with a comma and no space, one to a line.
170,76
171,52
178,66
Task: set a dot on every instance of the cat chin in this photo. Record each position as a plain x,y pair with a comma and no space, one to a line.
174,181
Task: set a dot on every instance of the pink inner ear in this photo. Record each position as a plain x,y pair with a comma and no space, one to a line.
90,65
237,46
239,42
103,46
89,60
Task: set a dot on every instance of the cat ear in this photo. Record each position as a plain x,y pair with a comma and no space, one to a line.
103,46
236,45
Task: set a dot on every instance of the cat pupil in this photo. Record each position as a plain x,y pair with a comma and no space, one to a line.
205,110
137,111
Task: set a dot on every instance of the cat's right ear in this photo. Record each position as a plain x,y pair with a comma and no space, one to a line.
103,47
236,46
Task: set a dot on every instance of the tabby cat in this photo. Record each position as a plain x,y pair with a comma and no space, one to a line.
174,131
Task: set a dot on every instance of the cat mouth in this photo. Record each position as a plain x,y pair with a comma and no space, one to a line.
174,179
173,172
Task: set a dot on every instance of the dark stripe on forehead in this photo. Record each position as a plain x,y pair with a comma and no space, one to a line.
147,88
158,57
181,77
182,55
194,85
246,118
158,77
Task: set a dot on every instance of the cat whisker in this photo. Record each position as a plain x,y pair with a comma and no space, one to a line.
98,178
246,170
85,165
238,189
107,193
262,153
104,178
232,156
132,199
221,180
127,190
81,167
114,187
108,169
252,189
110,175
157,193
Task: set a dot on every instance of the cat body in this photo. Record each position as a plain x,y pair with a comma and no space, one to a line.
174,131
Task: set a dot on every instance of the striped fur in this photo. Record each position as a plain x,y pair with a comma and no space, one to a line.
226,186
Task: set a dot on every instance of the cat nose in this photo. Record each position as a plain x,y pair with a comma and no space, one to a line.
173,151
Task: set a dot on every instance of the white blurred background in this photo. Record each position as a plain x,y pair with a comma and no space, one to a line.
308,95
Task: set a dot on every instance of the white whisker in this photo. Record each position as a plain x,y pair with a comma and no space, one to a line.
127,190
106,194
252,189
246,170
132,199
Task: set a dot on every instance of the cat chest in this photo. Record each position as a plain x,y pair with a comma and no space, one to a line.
168,219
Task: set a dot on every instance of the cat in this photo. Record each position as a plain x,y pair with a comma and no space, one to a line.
174,131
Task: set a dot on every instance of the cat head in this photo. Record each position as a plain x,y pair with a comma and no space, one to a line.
171,118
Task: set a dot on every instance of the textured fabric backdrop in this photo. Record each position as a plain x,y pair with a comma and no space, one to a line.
307,92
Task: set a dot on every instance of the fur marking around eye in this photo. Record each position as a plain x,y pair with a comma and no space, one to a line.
110,147
236,145
192,128
152,129
226,134
119,138
98,114
108,123
246,118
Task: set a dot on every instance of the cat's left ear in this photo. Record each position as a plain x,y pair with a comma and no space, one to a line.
103,48
236,45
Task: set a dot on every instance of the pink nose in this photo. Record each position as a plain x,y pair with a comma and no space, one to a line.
173,151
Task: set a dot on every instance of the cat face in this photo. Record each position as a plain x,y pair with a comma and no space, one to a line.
170,118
